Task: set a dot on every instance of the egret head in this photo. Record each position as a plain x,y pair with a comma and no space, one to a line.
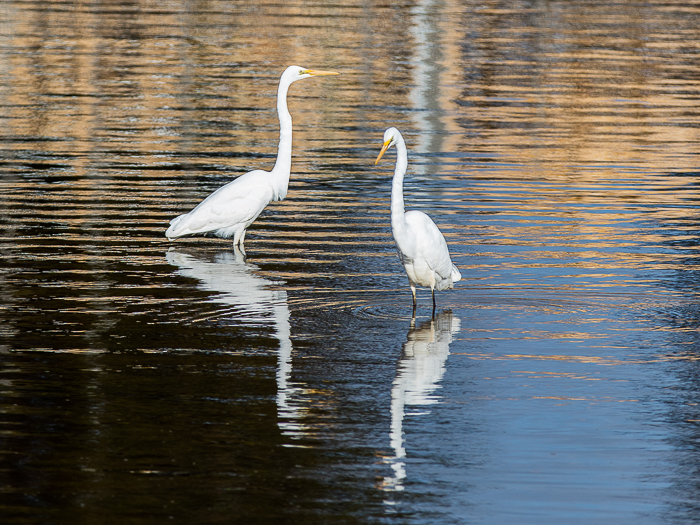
390,137
294,73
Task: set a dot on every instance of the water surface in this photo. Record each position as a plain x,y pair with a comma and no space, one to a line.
555,144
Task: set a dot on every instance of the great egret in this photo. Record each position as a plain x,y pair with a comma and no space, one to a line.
232,208
422,247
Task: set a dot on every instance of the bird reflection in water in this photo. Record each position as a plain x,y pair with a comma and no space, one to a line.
419,371
257,302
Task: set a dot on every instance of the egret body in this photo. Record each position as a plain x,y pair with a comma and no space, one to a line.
422,247
231,209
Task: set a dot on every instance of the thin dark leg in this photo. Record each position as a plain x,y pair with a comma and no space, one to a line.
241,246
433,302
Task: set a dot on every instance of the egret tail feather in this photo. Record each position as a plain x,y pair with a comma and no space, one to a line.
456,275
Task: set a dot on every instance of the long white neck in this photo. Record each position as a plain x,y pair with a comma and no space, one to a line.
283,166
397,205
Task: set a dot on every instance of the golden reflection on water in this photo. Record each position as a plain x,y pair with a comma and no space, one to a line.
503,81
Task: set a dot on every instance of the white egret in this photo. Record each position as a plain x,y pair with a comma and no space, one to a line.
231,209
422,247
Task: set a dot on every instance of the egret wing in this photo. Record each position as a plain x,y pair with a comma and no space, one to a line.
239,201
430,243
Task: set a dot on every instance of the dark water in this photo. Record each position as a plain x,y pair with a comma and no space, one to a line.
556,145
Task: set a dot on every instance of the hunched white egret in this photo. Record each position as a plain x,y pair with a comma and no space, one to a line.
422,247
231,209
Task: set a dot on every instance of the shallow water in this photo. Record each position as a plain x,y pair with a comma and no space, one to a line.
555,143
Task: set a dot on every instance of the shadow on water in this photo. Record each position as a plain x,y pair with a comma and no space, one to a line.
677,232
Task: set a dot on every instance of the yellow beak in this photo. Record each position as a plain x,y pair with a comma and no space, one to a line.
315,73
384,148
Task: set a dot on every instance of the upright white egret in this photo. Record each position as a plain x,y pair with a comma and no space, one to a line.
231,209
422,247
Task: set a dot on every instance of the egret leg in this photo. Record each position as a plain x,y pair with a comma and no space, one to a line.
240,243
413,291
433,290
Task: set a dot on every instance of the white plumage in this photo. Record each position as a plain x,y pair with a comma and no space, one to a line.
231,209
422,247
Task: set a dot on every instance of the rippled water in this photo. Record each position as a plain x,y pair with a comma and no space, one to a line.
556,145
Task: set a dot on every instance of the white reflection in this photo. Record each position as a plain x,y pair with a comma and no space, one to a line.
420,369
258,302
425,94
